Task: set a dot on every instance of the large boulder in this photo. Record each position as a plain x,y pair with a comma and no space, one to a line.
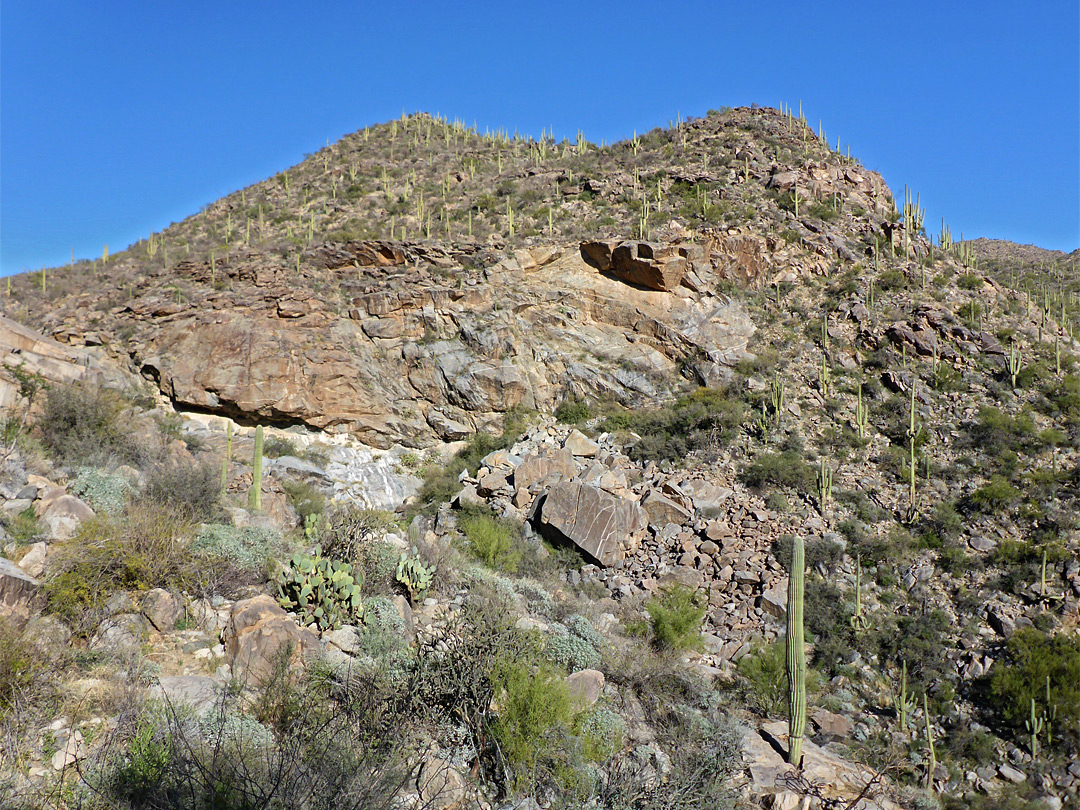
655,267
259,634
536,468
63,515
19,594
603,526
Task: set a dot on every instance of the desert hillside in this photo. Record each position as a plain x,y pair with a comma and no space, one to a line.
449,469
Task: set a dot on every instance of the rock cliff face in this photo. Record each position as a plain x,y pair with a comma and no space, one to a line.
24,349
420,353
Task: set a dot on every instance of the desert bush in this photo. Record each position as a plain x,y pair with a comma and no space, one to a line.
765,674
998,430
573,411
248,548
676,616
276,447
785,469
496,542
144,547
574,645
993,496
1032,656
24,527
307,753
24,671
105,492
535,705
441,481
305,498
83,424
706,418
193,489
692,728
892,279
352,533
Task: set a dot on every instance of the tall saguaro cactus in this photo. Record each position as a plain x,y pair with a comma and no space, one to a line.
796,654
255,493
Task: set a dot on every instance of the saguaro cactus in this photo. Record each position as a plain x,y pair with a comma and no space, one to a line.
255,493
796,654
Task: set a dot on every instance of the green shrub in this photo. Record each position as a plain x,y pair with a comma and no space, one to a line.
22,669
276,447
248,548
1032,657
304,754
383,634
892,279
105,492
535,704
676,617
571,650
194,489
602,732
24,528
144,547
494,541
997,430
786,469
706,418
765,673
351,531
996,495
441,482
84,424
573,411
305,498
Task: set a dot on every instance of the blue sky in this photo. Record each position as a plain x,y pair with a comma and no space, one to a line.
117,119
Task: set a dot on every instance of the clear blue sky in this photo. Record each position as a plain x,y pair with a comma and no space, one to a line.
117,119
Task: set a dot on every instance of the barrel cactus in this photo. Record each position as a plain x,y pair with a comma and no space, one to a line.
320,591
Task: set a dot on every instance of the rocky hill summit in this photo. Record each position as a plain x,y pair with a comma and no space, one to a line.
449,469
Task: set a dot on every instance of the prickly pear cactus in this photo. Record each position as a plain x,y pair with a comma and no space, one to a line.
413,574
322,592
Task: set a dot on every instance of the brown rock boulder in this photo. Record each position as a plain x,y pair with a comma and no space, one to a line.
259,634
535,468
19,594
601,525
648,265
586,686
662,510
63,515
